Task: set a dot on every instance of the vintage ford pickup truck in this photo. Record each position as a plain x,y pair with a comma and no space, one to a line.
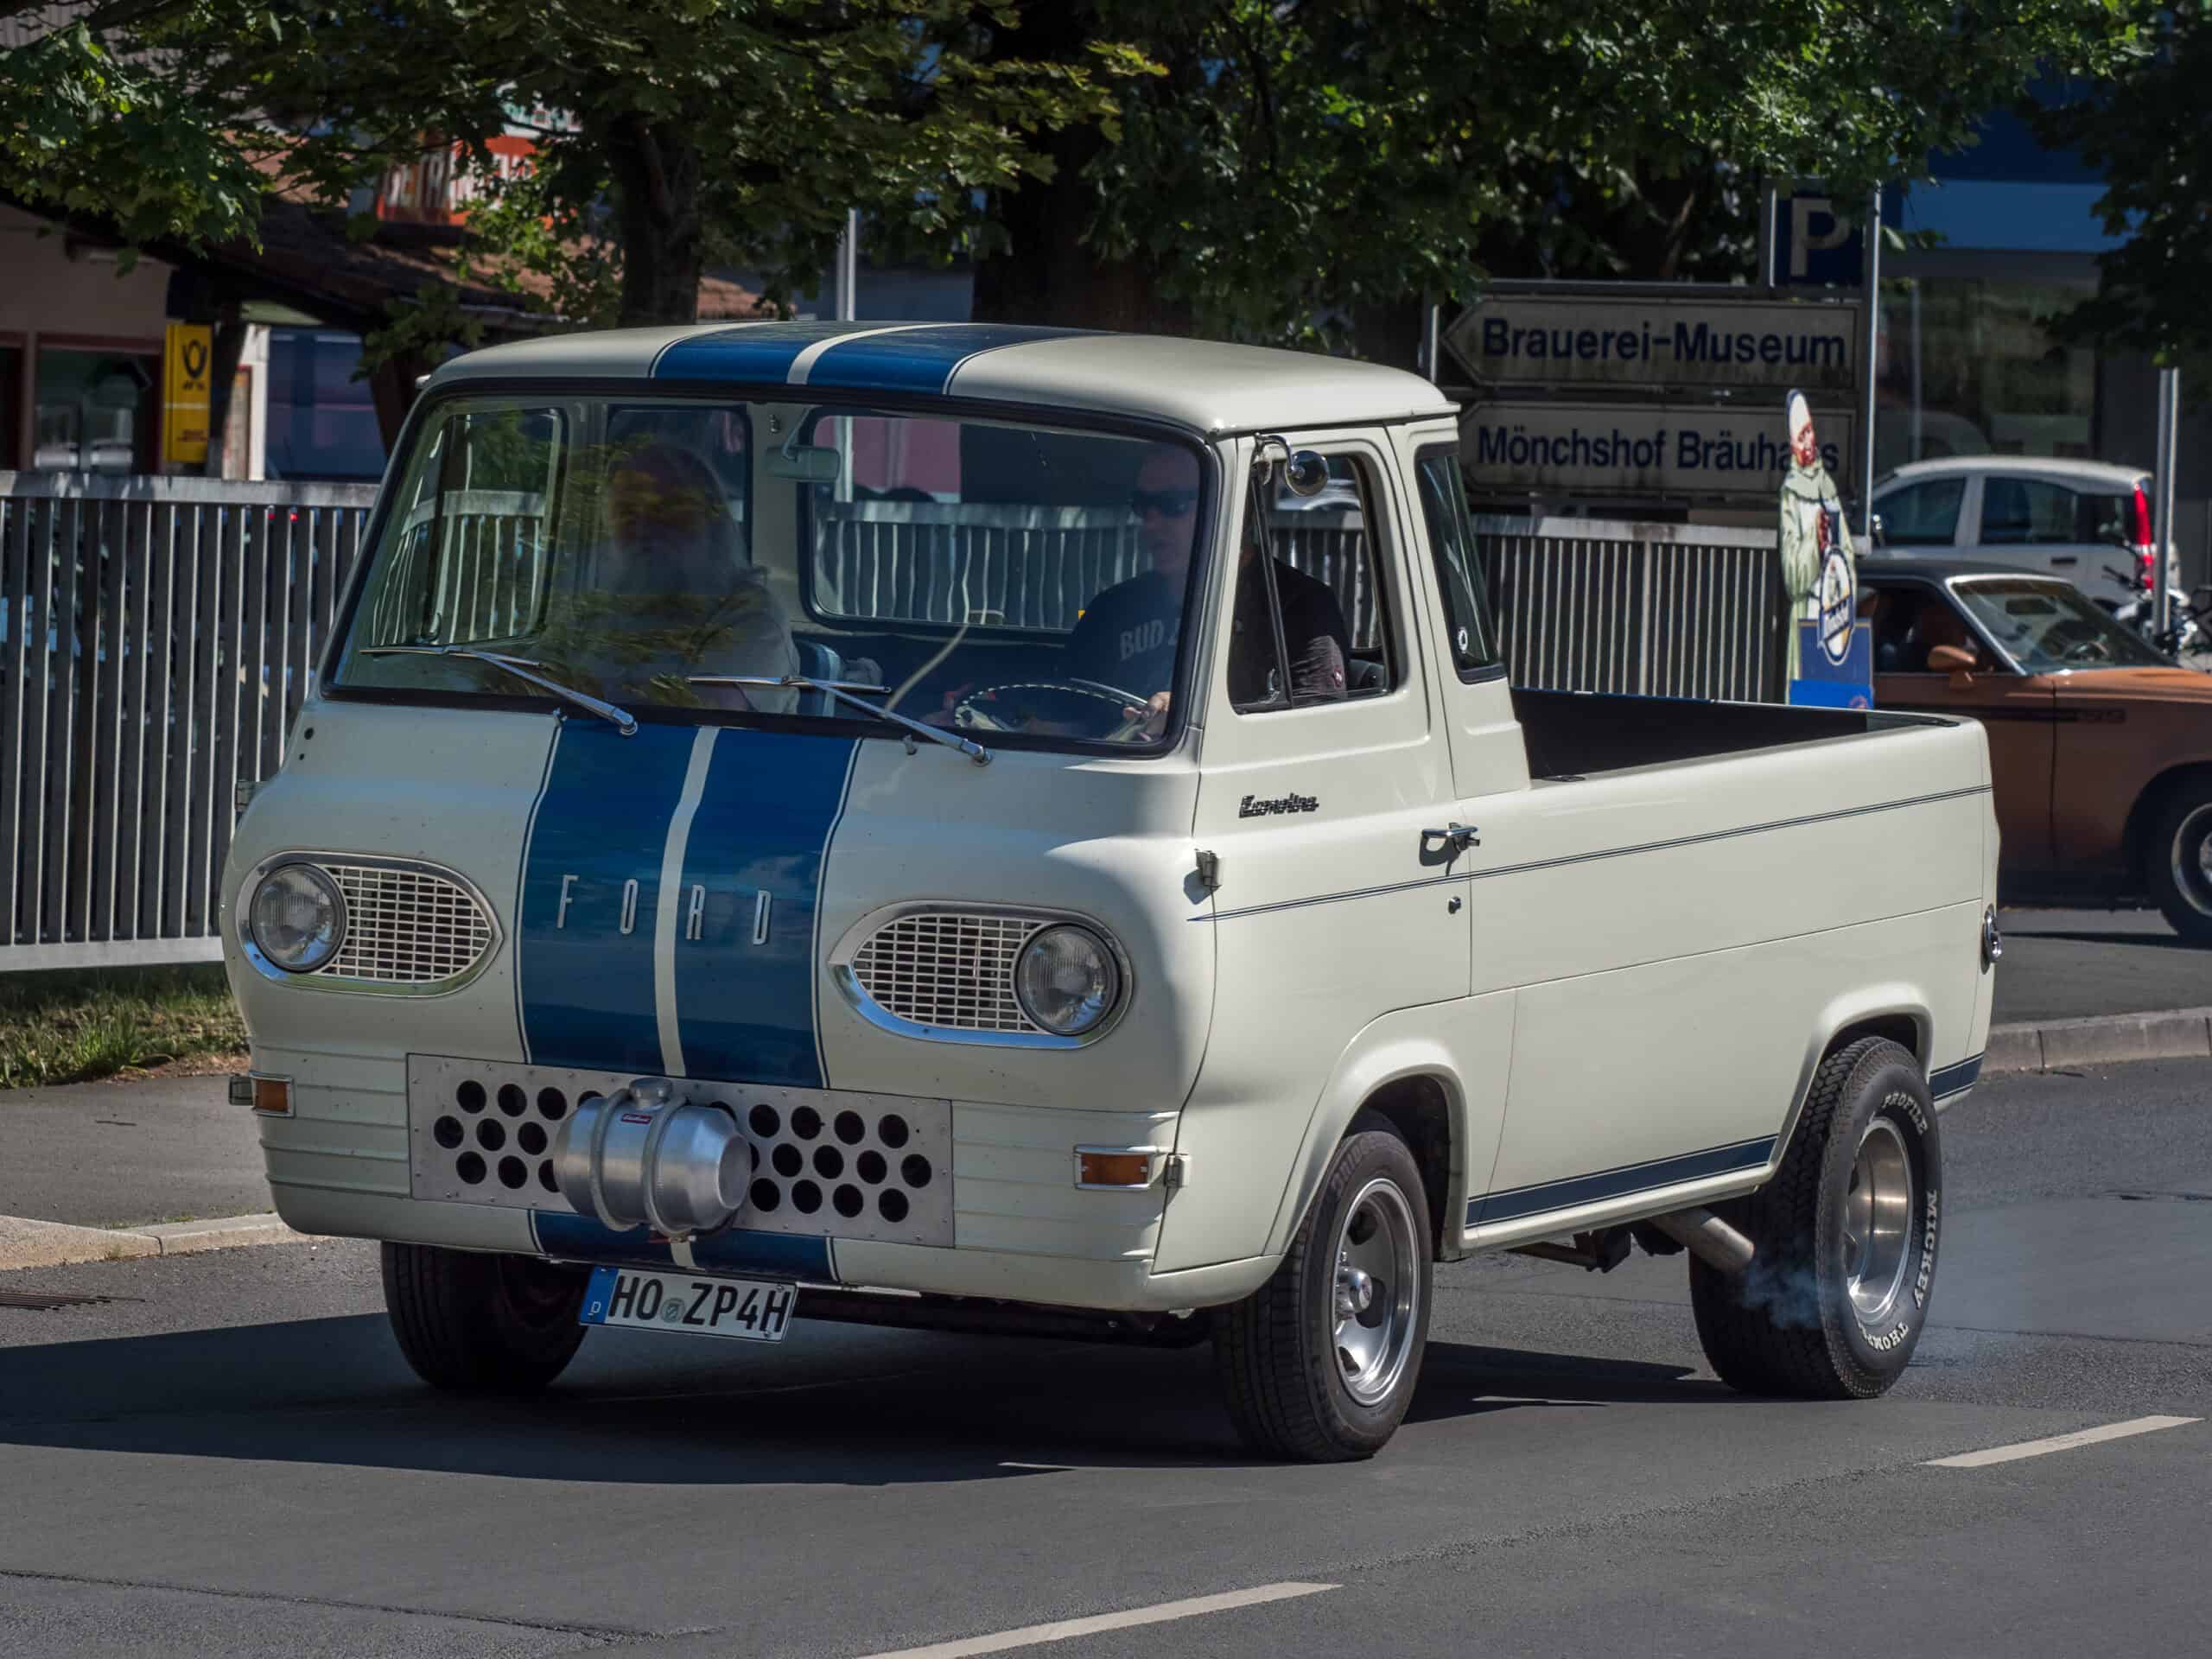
1018,830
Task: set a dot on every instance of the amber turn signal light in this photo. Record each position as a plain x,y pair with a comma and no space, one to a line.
269,1094
1112,1166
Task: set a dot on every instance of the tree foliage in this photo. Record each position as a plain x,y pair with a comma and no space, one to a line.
2146,129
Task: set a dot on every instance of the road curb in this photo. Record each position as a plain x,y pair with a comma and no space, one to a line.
2102,1040
27,1243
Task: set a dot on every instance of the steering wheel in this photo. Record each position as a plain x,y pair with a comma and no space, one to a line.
2089,650
1128,699
1078,703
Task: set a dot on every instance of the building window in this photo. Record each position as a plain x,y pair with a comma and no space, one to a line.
1969,367
94,411
322,422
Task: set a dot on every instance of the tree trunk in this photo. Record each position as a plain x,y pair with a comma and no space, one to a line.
656,176
1046,273
230,345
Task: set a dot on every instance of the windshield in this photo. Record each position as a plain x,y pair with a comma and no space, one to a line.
2049,627
989,577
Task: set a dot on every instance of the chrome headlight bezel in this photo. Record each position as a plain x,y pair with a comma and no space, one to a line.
1105,965
316,877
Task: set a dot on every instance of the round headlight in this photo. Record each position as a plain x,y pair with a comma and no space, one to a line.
1067,980
297,918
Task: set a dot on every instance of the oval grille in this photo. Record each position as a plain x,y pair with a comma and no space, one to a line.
952,970
406,926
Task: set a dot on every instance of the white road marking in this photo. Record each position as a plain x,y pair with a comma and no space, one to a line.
671,900
1061,1630
2133,1426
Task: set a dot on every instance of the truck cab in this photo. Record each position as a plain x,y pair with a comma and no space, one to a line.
1022,828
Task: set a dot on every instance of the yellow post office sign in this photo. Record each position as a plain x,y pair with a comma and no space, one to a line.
188,372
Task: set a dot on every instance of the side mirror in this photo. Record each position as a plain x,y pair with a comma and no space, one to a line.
1955,660
1306,472
804,463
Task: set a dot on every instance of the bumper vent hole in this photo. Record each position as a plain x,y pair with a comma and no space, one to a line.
767,1197
512,1101
531,1137
914,1170
893,1131
806,1123
514,1174
447,1132
470,1096
829,1163
764,1120
552,1104
870,1167
891,1205
491,1135
848,1201
788,1160
850,1129
470,1168
545,1176
806,1197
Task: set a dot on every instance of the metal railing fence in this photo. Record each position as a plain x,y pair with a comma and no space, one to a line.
1651,610
156,636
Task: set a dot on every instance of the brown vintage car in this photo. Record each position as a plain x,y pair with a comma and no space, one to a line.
2101,748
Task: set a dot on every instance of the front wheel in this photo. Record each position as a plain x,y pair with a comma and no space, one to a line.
1836,1296
2179,860
480,1324
1320,1363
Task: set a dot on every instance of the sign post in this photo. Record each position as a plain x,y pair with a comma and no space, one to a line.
187,375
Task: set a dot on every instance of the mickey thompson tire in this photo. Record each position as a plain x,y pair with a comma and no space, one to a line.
1834,1303
479,1324
1320,1363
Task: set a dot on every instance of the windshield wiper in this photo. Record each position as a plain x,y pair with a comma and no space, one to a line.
523,669
842,692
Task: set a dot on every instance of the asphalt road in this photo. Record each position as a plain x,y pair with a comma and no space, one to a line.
2063,964
231,1458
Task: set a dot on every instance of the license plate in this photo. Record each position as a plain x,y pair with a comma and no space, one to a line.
751,1310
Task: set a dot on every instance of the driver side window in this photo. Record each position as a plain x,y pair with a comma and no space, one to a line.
1309,625
1909,622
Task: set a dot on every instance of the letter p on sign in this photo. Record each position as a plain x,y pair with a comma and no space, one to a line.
1834,230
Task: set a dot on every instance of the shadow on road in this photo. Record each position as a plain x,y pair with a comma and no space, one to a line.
2077,936
837,1406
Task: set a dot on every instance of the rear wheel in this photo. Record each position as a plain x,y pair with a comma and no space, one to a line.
2180,863
480,1324
1320,1363
1834,1303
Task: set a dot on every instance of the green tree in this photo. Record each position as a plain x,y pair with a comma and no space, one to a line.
1315,167
2145,128
672,136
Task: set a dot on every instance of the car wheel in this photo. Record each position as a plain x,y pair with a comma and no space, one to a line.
2180,863
480,1324
1320,1363
1837,1295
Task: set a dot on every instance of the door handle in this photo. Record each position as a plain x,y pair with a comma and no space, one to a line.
2066,558
1456,838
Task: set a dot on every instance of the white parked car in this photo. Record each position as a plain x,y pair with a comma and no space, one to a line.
709,886
2076,519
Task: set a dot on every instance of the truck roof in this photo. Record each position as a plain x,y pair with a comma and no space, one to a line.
1204,386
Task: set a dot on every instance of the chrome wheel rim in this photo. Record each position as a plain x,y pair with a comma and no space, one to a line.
1877,1221
1376,1298
2191,860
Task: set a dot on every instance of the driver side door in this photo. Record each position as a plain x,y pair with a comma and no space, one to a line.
2019,711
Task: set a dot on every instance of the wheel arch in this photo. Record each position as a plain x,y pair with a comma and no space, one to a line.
2150,805
1415,1082
1897,1011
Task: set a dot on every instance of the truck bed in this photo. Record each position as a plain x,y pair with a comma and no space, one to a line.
1575,733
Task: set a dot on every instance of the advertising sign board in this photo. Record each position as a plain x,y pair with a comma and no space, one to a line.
187,376
1589,450
1647,341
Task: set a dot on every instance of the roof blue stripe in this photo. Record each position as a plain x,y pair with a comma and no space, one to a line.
919,359
759,352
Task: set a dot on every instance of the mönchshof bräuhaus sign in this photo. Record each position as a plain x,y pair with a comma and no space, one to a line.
1647,339
1642,450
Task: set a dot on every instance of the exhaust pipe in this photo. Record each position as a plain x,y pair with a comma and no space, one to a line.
1707,1237
645,1155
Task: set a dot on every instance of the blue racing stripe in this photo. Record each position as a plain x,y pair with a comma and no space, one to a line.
745,1003
757,351
587,986
1618,1183
1955,1079
919,359
781,1256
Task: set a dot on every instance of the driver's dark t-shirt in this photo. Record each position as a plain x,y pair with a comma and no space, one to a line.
1126,638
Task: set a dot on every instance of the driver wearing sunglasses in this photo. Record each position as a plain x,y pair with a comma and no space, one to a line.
1127,636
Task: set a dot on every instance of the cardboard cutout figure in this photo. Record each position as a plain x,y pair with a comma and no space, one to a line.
1812,521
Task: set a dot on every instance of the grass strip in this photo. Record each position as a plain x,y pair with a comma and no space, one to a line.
74,1027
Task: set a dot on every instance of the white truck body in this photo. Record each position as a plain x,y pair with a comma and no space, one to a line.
1606,1002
